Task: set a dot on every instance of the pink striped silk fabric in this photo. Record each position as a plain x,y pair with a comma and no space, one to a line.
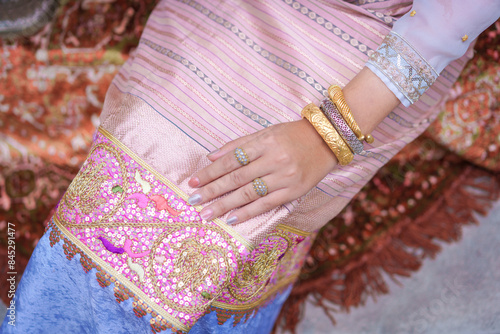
208,72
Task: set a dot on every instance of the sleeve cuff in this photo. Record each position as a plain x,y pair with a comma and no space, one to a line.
405,72
394,89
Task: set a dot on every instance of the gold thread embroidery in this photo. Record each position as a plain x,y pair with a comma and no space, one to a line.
192,257
196,265
75,246
293,230
84,190
174,187
81,192
255,273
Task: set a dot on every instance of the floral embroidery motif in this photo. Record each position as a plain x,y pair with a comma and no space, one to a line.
146,187
409,71
259,269
110,247
94,189
141,235
122,293
147,234
81,191
199,261
271,266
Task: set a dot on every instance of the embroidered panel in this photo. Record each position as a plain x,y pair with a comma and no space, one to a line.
404,66
139,231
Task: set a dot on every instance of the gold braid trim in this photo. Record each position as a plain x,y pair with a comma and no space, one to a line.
326,130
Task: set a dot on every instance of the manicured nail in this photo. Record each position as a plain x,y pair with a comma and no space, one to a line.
232,220
195,199
194,182
213,152
206,214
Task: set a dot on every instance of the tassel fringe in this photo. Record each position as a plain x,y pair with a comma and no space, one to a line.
398,253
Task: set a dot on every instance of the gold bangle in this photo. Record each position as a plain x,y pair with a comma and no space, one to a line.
337,97
326,130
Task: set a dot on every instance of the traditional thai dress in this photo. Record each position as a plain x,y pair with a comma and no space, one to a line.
125,252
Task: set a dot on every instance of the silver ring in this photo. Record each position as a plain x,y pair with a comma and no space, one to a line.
241,156
260,187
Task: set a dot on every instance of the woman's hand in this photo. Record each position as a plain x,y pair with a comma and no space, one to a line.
291,158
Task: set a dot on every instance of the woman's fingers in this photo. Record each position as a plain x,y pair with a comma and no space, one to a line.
231,146
262,204
291,157
243,196
239,177
226,165
224,162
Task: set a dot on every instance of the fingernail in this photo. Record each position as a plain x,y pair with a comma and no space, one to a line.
195,199
206,214
232,220
213,152
194,182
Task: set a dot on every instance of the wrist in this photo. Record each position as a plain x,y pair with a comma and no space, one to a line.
369,99
315,138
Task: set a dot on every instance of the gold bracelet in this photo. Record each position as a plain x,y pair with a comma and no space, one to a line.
326,130
337,97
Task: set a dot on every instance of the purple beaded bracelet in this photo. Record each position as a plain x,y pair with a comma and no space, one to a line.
341,126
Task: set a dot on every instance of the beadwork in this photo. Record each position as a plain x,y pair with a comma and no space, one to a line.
137,227
251,280
341,126
337,97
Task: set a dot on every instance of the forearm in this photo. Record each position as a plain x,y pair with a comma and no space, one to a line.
370,102
369,99
426,40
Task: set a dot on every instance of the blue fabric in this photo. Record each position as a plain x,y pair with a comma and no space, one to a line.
56,295
262,322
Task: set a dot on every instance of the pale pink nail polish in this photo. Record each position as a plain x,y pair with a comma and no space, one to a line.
206,214
195,199
194,182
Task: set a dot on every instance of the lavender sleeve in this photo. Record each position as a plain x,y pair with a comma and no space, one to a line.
425,40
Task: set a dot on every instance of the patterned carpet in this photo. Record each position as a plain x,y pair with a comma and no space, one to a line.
458,292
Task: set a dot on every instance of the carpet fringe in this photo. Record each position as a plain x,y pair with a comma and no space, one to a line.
398,253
